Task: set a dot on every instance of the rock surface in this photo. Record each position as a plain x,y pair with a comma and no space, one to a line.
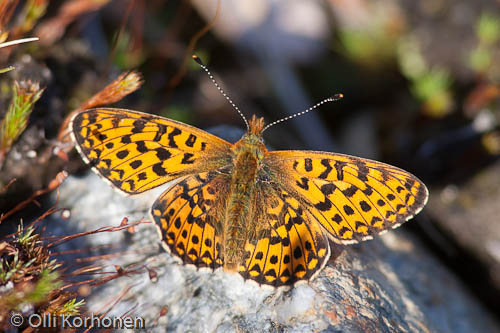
468,212
390,284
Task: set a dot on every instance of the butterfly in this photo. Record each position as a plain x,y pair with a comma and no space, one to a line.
267,215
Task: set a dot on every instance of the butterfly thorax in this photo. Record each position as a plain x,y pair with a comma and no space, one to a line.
248,153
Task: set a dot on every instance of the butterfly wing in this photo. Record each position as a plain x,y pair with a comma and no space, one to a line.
285,247
352,198
288,244
188,218
137,151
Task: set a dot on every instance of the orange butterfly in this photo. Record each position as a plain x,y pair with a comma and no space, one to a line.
267,215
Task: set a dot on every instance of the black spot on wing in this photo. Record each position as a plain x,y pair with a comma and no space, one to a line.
409,183
297,252
362,171
126,139
324,205
162,129
308,164
336,218
328,168
98,152
348,210
350,191
159,169
141,147
171,137
191,140
342,231
92,118
187,158
138,125
368,190
107,162
122,154
339,167
115,122
135,164
162,154
303,183
359,225
100,136
131,184
365,206
271,273
374,220
327,189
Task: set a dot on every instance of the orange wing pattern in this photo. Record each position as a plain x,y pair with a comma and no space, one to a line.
351,198
137,151
188,218
289,244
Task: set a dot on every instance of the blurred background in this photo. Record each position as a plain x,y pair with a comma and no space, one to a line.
420,81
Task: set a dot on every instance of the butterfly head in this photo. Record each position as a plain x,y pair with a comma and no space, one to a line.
255,126
252,141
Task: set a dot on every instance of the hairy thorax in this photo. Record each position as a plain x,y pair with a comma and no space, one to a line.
238,223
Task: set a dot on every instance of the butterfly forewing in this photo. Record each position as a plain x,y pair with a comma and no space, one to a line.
137,151
352,198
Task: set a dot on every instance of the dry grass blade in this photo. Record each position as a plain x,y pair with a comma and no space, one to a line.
61,240
55,183
18,41
122,86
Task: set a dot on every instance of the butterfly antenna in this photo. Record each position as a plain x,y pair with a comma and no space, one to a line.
205,68
333,98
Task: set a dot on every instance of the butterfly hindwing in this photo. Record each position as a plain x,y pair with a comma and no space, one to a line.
351,197
137,151
189,220
288,244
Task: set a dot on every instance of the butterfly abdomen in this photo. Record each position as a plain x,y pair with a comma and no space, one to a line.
237,226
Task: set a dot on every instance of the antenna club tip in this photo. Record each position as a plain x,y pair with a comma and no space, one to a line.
197,59
338,96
